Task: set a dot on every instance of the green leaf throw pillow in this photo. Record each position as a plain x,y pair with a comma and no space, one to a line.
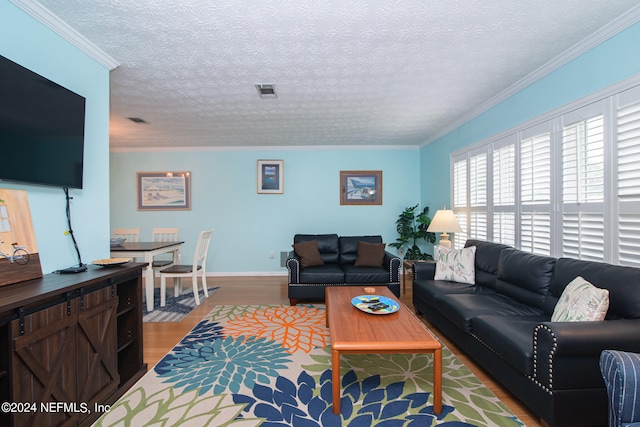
581,302
455,265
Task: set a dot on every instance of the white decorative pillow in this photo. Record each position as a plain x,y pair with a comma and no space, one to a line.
456,265
581,302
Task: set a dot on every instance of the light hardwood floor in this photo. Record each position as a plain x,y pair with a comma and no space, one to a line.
159,338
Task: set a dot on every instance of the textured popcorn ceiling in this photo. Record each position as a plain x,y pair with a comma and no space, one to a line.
368,72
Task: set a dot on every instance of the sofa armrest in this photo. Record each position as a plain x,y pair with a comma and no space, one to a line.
621,373
392,264
568,353
423,270
293,268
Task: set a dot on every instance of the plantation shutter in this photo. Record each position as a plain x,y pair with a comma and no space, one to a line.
478,196
535,190
583,189
460,199
628,177
504,191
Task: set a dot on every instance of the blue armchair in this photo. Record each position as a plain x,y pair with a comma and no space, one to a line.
621,373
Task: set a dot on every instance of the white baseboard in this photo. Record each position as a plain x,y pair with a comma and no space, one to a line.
248,274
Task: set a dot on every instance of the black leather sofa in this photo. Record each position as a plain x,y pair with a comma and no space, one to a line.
503,322
339,255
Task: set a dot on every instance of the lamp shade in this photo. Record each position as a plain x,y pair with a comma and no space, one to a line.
444,221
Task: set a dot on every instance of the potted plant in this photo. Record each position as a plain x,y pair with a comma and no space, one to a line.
412,228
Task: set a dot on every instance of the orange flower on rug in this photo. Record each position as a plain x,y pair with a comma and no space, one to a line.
297,328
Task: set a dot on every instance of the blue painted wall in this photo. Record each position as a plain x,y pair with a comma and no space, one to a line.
34,46
248,226
610,62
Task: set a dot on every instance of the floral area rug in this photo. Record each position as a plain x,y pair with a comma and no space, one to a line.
271,366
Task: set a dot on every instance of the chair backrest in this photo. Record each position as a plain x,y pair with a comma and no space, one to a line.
164,235
202,248
131,234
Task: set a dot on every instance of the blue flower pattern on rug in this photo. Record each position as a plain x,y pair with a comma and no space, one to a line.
203,331
222,364
301,405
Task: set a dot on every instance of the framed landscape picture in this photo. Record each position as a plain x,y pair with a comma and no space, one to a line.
360,187
164,191
270,176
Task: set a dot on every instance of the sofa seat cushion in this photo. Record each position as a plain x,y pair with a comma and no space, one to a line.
327,273
461,309
430,290
511,337
355,275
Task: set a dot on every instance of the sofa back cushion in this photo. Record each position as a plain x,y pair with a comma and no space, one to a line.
349,247
623,284
524,276
487,259
327,245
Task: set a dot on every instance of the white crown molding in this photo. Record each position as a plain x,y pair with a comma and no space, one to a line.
265,148
614,27
47,18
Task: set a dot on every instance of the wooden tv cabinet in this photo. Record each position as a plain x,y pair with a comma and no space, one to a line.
70,345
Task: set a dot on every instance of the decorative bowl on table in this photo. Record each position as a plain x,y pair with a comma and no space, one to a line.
115,242
110,262
375,304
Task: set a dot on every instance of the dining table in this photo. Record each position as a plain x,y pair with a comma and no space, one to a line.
147,251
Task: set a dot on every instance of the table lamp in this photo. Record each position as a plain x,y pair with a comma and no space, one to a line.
444,221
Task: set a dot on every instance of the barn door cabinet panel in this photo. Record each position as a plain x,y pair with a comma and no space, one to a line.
63,344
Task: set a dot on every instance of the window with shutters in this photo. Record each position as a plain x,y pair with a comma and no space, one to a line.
583,190
460,199
535,189
627,223
478,196
566,186
504,191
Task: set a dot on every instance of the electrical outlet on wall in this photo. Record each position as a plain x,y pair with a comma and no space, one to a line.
272,255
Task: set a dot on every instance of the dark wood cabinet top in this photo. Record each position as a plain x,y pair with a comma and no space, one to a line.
52,286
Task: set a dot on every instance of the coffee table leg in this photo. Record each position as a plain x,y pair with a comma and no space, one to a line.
437,381
335,380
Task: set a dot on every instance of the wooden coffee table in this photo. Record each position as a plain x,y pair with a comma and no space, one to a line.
354,331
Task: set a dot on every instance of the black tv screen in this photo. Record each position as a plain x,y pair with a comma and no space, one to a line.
41,129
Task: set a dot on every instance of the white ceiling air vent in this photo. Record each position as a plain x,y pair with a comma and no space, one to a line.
266,90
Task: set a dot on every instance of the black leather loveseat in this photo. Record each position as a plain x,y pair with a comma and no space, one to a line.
503,322
345,260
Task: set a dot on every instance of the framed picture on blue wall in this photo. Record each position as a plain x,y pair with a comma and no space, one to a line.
270,176
164,191
360,187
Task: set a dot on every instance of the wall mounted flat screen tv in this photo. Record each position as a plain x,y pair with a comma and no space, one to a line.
41,129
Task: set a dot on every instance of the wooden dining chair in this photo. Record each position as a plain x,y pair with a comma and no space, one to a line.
165,235
197,268
130,234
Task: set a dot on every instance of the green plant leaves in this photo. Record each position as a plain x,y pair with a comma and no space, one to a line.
412,229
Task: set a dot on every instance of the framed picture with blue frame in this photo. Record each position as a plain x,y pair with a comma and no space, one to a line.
270,176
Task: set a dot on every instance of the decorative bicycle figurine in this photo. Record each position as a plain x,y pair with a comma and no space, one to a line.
20,254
